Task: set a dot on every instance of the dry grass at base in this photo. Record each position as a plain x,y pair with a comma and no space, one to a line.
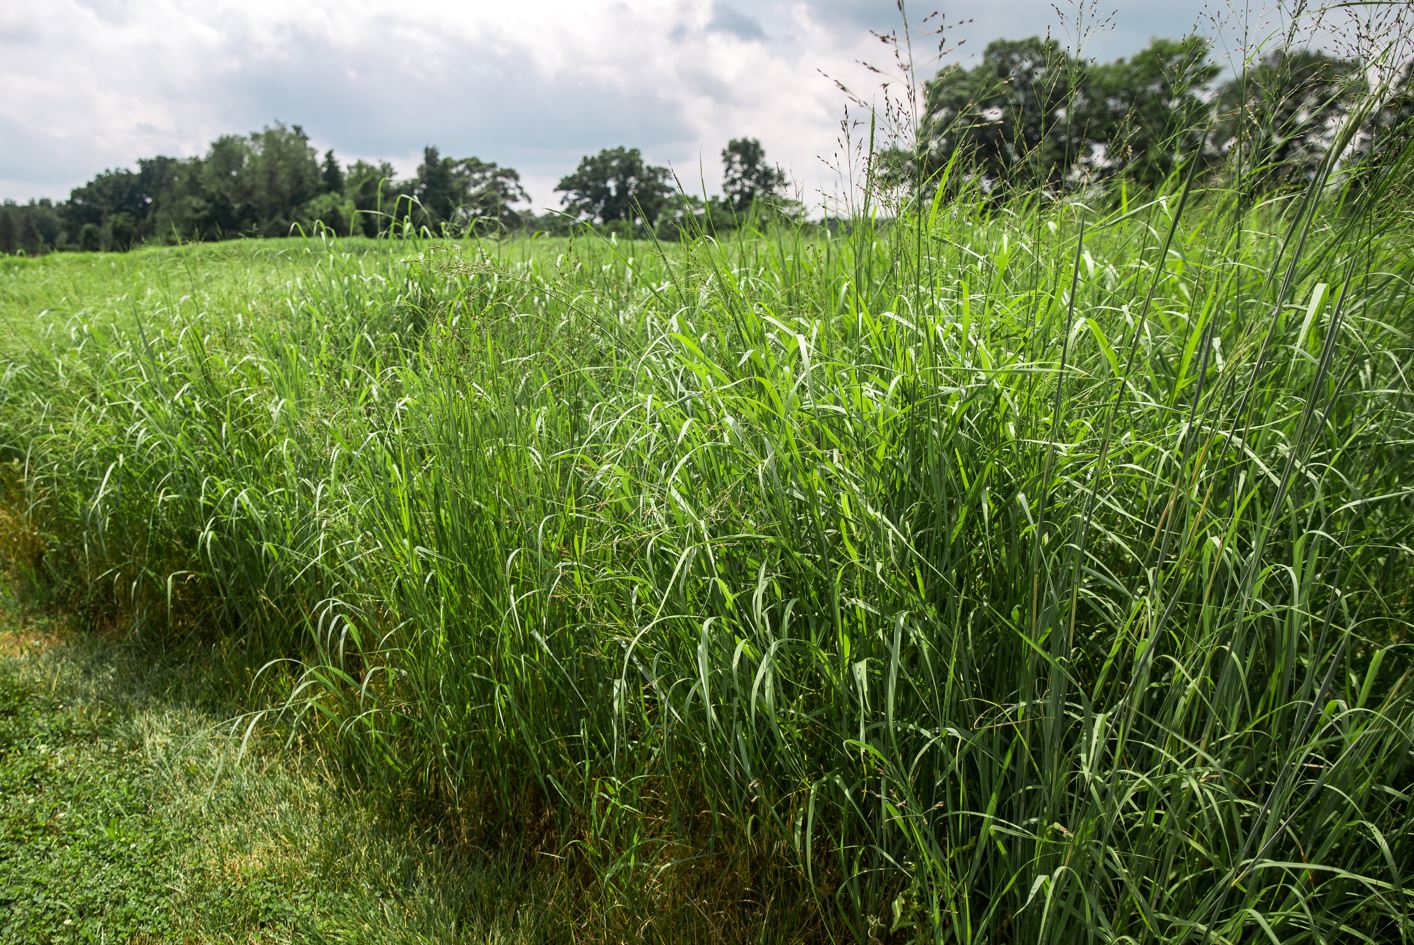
21,642
20,544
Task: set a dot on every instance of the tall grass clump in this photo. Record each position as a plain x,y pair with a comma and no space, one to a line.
1031,571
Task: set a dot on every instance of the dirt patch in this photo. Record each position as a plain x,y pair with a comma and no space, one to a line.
25,633
261,860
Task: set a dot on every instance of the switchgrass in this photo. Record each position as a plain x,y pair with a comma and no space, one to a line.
1025,573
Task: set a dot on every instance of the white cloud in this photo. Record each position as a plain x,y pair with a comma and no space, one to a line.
89,84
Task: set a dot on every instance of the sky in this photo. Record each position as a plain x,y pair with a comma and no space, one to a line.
534,84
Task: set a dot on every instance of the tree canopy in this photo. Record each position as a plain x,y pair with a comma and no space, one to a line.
1030,114
746,177
616,185
458,195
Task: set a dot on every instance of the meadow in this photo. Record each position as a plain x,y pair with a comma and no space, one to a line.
1033,572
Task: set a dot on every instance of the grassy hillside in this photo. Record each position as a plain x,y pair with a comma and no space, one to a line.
1028,574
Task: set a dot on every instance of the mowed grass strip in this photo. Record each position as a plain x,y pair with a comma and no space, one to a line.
132,810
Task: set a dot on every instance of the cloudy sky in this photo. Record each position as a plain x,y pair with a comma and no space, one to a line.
91,84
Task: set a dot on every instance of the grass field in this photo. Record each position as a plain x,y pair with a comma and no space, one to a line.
1032,574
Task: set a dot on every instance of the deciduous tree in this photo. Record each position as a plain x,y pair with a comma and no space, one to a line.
616,184
1280,117
746,177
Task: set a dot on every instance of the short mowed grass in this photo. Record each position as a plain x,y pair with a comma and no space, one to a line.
1029,572
134,809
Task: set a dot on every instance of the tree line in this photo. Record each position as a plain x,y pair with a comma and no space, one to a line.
1031,115
274,183
1027,115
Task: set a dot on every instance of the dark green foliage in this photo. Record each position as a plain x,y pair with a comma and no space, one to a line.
284,170
33,227
1282,115
435,188
457,196
1029,114
1006,116
332,211
9,232
488,194
332,174
746,177
117,191
371,191
249,185
616,186
31,241
90,237
1146,113
121,231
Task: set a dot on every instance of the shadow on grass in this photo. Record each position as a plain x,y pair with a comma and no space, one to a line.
129,812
